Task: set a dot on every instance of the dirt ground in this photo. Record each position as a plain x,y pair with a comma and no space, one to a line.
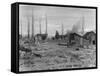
49,56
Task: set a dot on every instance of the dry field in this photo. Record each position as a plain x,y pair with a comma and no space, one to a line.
49,56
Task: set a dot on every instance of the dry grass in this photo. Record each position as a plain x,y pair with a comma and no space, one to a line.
52,56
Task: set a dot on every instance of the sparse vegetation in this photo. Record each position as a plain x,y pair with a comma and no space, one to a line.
53,56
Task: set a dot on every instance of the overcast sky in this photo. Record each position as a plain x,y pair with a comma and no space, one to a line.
56,17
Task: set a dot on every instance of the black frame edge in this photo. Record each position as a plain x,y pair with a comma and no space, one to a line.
13,12
14,38
61,5
15,30
96,37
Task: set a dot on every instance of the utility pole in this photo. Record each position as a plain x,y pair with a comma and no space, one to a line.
82,25
46,24
21,29
82,31
32,25
28,28
40,25
62,30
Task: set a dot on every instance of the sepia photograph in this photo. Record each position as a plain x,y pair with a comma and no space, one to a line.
52,37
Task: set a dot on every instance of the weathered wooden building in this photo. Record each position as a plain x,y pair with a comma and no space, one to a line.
41,36
91,36
74,39
77,40
86,40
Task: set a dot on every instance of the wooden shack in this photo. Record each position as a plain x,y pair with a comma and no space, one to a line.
91,36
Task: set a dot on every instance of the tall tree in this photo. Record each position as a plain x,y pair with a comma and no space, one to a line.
57,35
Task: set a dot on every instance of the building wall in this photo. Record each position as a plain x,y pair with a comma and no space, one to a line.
92,38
